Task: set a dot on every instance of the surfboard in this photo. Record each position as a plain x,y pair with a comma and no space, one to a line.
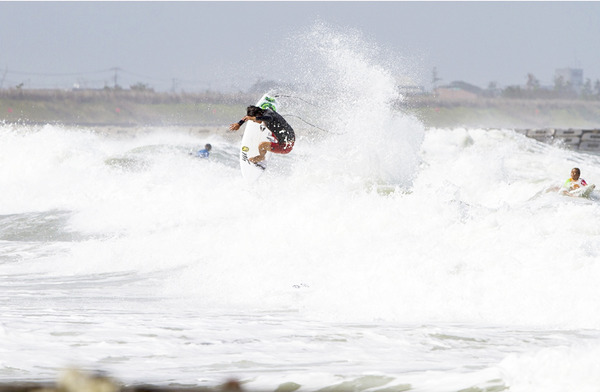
254,134
584,191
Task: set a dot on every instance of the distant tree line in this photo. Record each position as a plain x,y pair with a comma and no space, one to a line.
561,90
139,93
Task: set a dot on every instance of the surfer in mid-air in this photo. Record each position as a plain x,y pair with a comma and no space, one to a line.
280,129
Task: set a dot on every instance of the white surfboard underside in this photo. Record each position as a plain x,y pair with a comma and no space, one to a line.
254,134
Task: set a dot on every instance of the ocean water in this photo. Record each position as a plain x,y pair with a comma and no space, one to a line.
377,256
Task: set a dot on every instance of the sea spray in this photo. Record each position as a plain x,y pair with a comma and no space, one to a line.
352,95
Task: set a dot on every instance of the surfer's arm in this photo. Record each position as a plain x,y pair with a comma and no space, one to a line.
237,125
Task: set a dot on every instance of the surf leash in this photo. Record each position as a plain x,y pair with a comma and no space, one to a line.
312,125
299,98
300,118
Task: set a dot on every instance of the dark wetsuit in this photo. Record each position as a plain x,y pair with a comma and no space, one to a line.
280,129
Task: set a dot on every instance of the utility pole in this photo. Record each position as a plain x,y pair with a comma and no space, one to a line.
116,69
434,78
3,77
175,85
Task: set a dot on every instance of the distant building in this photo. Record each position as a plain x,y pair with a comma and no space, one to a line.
411,90
458,90
571,77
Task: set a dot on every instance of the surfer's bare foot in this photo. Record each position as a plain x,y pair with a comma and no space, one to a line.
257,159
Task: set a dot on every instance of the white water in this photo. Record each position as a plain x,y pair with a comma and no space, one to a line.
385,257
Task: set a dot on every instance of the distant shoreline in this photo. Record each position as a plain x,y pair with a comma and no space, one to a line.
125,108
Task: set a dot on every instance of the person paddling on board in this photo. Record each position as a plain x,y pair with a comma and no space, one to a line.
575,182
280,129
204,153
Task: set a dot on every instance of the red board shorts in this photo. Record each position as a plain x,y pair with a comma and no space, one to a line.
284,148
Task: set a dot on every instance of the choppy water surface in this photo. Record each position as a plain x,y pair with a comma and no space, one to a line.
376,256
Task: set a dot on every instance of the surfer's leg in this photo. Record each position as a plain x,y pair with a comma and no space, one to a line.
262,150
283,148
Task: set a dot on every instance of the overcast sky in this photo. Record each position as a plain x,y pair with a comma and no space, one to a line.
207,45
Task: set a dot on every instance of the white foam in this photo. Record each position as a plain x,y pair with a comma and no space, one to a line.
437,227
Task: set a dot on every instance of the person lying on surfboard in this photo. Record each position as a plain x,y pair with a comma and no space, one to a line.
204,153
575,182
280,129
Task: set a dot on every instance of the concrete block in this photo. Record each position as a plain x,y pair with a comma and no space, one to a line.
590,146
568,132
540,133
590,136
